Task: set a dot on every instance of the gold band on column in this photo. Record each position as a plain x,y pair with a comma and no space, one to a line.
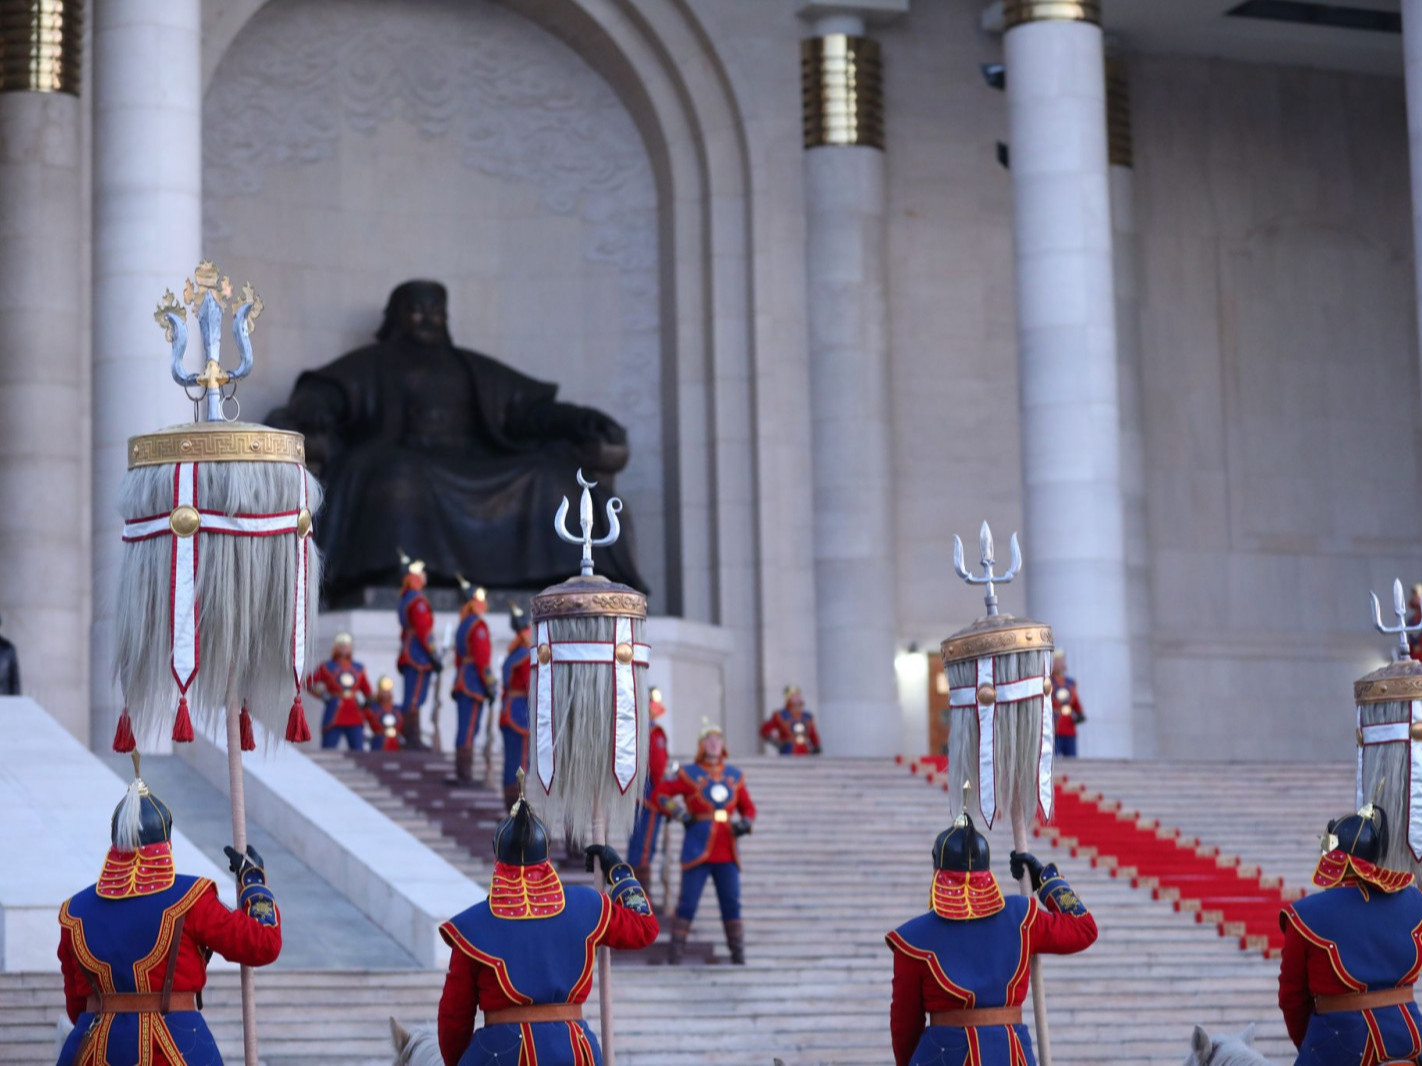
41,42
841,80
1016,12
1119,145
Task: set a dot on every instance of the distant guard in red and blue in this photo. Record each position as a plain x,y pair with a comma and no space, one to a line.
642,847
717,809
419,658
513,716
384,717
133,947
1353,952
474,679
341,682
964,963
525,955
792,728
1066,705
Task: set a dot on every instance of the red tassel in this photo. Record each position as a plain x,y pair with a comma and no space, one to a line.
183,726
123,735
296,729
249,742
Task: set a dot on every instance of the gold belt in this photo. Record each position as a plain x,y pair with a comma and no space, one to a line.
542,1012
979,1016
714,816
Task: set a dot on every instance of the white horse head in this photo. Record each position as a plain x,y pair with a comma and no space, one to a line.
1206,1050
415,1047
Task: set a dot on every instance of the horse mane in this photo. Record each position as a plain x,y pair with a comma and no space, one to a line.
1225,1050
422,1048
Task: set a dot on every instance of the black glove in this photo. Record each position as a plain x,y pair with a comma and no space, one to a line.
1020,861
436,666
238,862
606,854
686,818
741,827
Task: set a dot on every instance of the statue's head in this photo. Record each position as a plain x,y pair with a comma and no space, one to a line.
417,312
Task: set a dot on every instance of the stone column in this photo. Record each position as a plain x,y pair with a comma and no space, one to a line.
1128,364
42,565
856,610
1412,59
1066,335
147,238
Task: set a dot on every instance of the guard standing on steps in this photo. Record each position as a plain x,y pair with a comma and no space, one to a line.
1066,705
419,658
1350,953
474,679
713,793
341,683
964,962
525,954
642,847
134,946
792,728
384,717
513,717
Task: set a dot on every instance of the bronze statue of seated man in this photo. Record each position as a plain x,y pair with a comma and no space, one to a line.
448,454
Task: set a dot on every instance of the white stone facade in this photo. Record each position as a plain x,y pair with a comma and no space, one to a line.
619,204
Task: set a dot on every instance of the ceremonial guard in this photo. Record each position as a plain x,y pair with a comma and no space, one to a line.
418,656
524,956
642,847
340,681
384,717
513,715
133,947
474,678
792,728
1350,954
964,963
713,792
1066,705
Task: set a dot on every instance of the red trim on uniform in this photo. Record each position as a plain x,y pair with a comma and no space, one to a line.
1335,959
455,939
929,959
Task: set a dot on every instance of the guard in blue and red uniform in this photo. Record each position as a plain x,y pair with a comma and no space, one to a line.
964,963
1066,705
1351,953
513,716
473,681
133,947
642,847
792,728
716,810
384,717
525,955
419,660
341,682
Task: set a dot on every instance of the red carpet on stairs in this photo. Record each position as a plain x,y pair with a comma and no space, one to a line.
1218,889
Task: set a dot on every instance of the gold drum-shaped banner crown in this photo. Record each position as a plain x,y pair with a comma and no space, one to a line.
592,596
1399,682
999,635
216,442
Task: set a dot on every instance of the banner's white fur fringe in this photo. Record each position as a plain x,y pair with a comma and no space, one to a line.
1017,737
584,711
1391,764
245,594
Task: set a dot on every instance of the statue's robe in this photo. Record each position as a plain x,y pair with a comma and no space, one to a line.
452,457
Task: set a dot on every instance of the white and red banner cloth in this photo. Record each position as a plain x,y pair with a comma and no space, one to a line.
626,751
1007,692
184,610
1398,733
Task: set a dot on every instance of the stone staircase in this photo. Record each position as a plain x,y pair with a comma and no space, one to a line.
840,855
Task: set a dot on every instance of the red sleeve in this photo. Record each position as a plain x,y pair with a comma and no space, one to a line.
669,789
1076,706
363,685
768,728
316,682
906,1011
1295,1000
421,620
1053,933
480,648
744,804
657,756
457,1007
814,734
232,934
627,930
76,985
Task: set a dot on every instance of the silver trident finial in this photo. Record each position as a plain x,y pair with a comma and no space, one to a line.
585,518
207,293
987,577
1399,606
